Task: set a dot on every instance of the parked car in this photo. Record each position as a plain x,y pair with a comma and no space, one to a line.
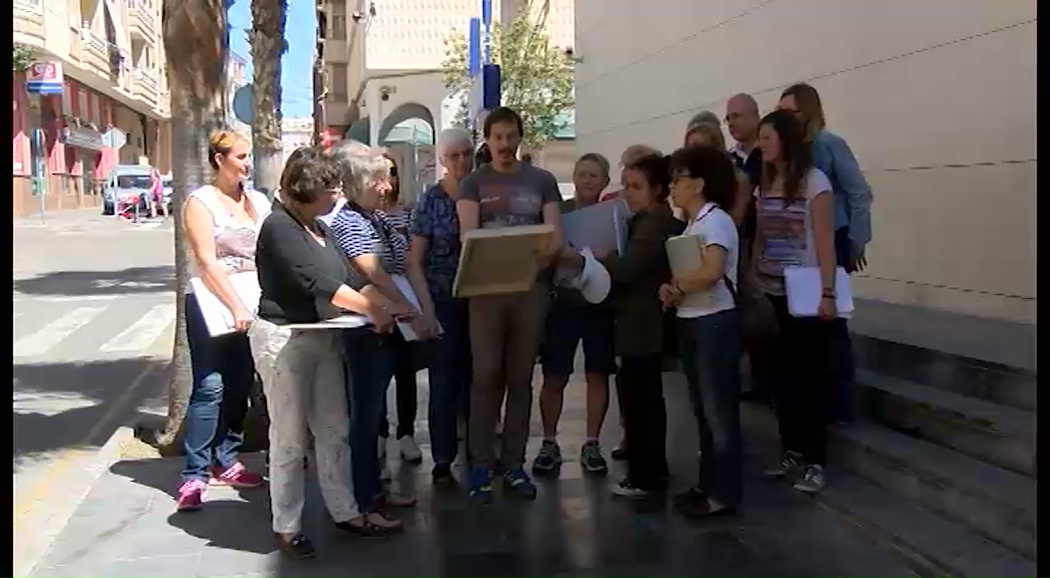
126,184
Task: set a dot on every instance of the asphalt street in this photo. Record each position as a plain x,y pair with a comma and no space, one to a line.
92,326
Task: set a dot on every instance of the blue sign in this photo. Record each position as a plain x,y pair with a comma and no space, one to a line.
474,47
486,19
490,86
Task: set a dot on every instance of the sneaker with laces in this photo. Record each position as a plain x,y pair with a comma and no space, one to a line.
479,484
627,489
788,463
192,495
548,458
409,450
812,480
592,460
235,476
518,481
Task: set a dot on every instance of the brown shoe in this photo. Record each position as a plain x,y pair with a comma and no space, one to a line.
371,525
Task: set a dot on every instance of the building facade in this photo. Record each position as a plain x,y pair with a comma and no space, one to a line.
236,78
295,133
383,61
940,113
107,58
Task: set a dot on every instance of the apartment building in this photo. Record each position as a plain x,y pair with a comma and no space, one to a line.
383,61
296,133
236,78
108,105
940,113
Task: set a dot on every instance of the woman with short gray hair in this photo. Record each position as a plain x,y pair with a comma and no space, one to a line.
376,250
435,250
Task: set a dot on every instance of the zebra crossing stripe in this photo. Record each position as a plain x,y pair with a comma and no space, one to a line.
142,333
41,341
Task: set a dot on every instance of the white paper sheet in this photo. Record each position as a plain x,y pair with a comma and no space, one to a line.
804,290
217,318
601,227
406,329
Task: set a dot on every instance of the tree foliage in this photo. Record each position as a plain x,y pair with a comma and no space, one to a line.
21,57
536,76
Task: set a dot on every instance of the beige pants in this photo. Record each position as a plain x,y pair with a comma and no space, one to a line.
303,378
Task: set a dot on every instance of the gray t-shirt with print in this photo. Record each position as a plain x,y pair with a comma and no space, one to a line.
510,199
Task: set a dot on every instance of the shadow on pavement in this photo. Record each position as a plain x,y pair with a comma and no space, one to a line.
63,405
132,280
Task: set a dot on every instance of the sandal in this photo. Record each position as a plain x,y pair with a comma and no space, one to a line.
367,527
396,500
296,546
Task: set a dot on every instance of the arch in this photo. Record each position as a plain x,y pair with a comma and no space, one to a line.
406,111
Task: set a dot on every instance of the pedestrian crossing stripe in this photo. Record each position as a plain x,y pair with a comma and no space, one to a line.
144,332
43,339
136,337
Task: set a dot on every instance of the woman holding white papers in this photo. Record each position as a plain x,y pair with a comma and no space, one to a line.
377,252
305,279
221,221
704,184
796,216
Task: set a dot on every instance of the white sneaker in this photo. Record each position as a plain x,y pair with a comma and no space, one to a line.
409,450
384,468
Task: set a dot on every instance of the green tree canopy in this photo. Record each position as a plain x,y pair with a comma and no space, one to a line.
537,77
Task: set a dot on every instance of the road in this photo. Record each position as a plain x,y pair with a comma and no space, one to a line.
93,324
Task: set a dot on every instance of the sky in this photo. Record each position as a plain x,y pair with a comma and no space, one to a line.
297,64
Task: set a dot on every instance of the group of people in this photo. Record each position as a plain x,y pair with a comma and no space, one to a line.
336,240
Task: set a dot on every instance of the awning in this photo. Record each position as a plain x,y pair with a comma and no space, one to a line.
84,138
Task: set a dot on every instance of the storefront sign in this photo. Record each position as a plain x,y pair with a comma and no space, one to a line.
44,77
84,138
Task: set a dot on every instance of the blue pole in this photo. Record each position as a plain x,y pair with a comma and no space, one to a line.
474,47
486,19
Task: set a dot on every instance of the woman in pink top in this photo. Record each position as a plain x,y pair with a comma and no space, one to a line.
222,221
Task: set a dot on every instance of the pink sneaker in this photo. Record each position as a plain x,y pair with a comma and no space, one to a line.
236,476
192,495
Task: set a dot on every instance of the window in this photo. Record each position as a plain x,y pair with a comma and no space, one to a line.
337,82
82,103
67,98
338,20
96,111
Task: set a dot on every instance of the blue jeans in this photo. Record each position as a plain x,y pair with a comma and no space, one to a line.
710,348
369,367
223,372
450,373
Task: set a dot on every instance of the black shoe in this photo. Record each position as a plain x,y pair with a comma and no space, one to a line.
702,510
619,452
442,475
693,495
298,546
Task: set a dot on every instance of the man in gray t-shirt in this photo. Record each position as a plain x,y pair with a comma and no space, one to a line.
505,329
510,199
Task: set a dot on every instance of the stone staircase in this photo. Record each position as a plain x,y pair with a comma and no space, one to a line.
941,463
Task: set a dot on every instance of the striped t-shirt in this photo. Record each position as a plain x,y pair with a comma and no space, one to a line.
360,233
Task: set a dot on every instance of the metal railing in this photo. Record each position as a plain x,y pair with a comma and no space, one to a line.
35,7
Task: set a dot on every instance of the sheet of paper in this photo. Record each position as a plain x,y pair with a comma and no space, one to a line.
349,321
217,318
804,290
405,286
600,227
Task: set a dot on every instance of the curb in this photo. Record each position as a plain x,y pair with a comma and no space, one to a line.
39,545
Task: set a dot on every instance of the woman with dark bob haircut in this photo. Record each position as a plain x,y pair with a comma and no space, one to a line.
305,279
704,184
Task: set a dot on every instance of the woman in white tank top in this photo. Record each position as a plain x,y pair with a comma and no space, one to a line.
221,221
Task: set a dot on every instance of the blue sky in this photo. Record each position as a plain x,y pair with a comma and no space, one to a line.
298,62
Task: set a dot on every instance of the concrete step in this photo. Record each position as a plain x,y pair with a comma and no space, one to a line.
1006,385
939,546
995,502
932,544
990,432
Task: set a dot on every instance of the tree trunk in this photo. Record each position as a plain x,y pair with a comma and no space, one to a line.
197,45
267,45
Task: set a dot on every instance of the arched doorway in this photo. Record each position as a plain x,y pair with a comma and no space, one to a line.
408,133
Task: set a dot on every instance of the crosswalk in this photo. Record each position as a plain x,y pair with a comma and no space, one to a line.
87,329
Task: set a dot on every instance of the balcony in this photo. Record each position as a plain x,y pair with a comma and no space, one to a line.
146,87
29,22
142,20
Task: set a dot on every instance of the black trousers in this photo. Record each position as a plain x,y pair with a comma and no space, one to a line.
640,390
405,384
802,374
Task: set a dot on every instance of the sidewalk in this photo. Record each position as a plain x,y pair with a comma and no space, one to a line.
127,525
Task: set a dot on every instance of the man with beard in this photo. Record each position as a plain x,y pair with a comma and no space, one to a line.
505,329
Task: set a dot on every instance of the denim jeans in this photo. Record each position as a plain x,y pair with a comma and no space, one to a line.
369,367
450,373
710,347
223,372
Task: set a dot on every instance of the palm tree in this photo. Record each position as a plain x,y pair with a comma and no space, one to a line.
268,44
197,43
